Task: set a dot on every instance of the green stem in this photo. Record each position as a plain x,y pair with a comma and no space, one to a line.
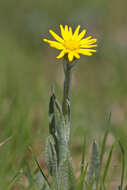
67,86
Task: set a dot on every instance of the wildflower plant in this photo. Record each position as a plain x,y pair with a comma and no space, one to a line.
57,154
58,159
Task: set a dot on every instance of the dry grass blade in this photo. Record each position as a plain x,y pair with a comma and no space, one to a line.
5,141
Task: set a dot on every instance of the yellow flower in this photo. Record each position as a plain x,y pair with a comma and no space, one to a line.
71,43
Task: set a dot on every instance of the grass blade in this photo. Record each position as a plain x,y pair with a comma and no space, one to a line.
123,166
94,167
13,181
83,157
107,164
5,141
82,178
105,138
29,175
39,167
91,186
107,123
41,171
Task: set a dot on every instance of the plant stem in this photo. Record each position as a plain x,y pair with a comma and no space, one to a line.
67,86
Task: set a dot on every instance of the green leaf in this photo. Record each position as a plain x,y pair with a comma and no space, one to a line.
29,175
51,156
94,167
45,179
107,165
14,180
105,138
66,178
107,123
41,171
123,165
40,182
52,126
62,124
83,158
110,180
82,177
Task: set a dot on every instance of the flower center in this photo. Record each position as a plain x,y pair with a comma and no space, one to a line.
71,45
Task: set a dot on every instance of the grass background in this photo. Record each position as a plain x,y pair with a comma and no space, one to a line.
28,67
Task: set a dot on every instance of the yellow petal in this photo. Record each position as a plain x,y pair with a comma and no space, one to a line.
85,40
66,28
90,50
88,46
92,41
62,31
75,35
57,45
70,31
86,51
58,38
76,55
66,33
62,53
81,35
54,44
45,40
88,42
70,56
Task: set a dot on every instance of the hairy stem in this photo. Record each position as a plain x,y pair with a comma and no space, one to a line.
67,87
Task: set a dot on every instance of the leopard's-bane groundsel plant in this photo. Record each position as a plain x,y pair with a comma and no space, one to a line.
94,172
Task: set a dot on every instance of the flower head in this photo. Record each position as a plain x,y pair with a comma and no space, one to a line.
72,44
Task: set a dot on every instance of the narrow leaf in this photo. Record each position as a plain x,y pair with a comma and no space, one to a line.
29,175
5,141
13,181
39,167
66,178
83,158
82,177
44,176
105,138
52,128
51,156
107,164
123,166
94,167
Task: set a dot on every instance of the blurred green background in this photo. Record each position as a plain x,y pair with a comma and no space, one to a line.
28,67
